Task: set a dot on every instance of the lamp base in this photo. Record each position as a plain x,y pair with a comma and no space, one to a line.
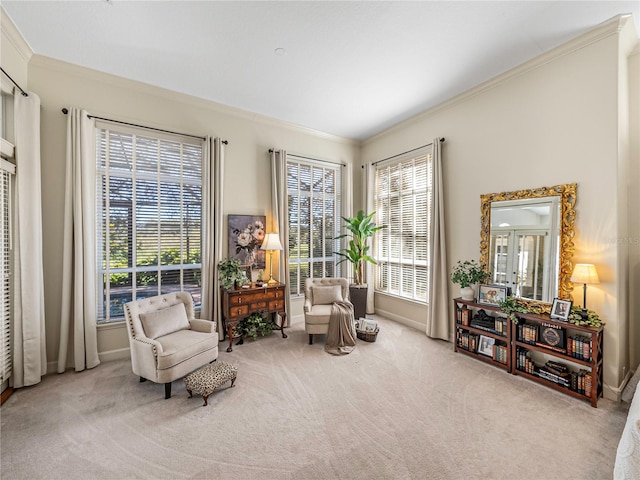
272,281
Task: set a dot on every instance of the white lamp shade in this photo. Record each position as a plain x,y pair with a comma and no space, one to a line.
585,273
271,242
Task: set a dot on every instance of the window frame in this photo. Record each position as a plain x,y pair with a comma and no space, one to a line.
329,244
104,268
389,265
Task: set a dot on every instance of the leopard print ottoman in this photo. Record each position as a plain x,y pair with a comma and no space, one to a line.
206,379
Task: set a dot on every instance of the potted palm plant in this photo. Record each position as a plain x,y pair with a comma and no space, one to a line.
360,228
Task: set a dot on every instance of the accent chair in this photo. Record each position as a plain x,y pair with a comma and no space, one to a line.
319,296
167,342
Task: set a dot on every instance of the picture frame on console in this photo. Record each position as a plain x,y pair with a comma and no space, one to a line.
492,294
485,345
560,309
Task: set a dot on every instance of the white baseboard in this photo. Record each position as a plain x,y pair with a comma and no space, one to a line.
118,354
403,320
616,392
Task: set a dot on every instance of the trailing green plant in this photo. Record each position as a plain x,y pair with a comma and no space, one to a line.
229,272
512,305
592,320
361,227
256,324
468,273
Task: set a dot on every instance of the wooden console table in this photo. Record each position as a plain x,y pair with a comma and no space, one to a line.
242,302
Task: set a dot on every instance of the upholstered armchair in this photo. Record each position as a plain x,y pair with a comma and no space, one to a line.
319,295
167,342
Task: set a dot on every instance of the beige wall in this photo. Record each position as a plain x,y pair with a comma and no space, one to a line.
551,121
247,171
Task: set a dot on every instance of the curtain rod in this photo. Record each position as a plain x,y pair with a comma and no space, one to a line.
404,153
65,111
24,94
271,150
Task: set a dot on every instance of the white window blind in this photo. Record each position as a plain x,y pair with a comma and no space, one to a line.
403,198
150,217
7,170
313,190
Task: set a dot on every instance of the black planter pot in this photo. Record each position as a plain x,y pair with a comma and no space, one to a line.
358,296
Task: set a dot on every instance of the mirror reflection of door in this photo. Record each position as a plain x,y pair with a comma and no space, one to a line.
524,247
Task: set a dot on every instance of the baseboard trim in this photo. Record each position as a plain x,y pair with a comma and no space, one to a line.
403,320
118,354
617,391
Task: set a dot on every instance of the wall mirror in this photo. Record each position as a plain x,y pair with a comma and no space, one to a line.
526,241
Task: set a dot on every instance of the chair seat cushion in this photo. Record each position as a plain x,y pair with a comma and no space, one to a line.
165,321
319,315
182,345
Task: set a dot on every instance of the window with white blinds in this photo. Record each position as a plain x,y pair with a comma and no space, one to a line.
403,198
313,190
7,170
149,211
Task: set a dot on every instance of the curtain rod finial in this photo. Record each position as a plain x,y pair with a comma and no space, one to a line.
65,110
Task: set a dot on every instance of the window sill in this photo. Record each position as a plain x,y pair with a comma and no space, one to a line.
6,149
111,325
398,297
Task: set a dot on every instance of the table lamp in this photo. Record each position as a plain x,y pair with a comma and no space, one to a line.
271,242
585,273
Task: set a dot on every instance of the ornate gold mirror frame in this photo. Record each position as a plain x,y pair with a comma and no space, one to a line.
567,194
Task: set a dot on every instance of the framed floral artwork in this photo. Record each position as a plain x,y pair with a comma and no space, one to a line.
246,233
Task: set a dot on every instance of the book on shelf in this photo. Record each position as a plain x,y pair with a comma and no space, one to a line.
580,347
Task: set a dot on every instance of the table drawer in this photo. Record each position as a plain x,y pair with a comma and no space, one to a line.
238,310
260,305
237,299
276,305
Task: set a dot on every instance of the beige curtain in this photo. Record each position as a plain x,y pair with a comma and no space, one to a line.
29,341
368,181
78,316
346,192
438,325
212,229
280,219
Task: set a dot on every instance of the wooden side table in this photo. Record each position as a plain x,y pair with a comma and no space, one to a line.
242,302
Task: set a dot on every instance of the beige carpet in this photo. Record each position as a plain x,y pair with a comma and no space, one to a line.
404,407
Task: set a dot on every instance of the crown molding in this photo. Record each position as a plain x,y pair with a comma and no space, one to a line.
11,33
88,74
598,33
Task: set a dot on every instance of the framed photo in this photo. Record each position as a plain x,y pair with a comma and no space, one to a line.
485,346
246,234
560,309
247,273
492,294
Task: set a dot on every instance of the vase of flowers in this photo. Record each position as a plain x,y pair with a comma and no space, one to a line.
467,274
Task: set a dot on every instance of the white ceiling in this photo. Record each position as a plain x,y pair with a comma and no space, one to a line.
351,68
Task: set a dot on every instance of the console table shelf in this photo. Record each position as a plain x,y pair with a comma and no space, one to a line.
536,339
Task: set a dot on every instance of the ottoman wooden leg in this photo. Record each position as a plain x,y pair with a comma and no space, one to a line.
205,397
190,393
232,381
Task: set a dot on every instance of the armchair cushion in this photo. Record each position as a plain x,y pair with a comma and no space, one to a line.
165,321
182,345
326,295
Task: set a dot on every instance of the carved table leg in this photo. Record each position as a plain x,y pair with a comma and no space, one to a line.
283,316
230,335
